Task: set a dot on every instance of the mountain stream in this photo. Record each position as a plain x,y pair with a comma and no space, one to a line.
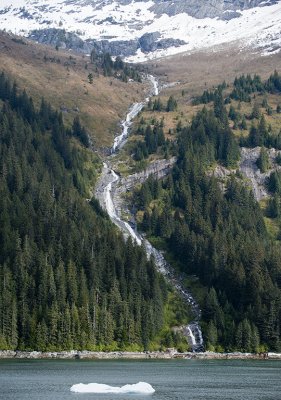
105,191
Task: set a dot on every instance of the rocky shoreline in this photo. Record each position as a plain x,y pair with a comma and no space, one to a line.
170,354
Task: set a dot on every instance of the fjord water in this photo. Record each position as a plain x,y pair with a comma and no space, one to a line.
171,379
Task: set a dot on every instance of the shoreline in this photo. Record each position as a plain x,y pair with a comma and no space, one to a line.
125,355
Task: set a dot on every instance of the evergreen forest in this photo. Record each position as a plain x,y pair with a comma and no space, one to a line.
216,230
68,280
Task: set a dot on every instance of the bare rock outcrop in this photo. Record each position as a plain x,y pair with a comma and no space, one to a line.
207,8
158,169
250,170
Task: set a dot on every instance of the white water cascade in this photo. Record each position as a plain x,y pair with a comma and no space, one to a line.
105,193
192,337
110,208
119,141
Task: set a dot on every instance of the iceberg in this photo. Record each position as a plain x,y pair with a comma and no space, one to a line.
137,388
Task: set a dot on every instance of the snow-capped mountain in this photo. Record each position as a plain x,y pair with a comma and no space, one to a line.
140,30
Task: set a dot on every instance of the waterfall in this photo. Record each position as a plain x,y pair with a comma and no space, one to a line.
135,109
120,140
108,199
105,193
155,85
191,335
110,208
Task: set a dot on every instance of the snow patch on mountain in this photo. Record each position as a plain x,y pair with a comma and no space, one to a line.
129,20
258,28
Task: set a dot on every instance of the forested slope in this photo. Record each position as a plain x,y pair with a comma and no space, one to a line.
67,278
216,230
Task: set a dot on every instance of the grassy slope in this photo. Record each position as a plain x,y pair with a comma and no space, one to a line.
65,84
190,74
196,70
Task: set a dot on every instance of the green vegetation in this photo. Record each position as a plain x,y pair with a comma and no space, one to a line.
67,278
221,236
157,104
171,104
209,95
118,68
245,85
274,182
263,162
247,90
175,310
153,141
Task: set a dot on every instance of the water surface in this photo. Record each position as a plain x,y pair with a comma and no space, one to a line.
171,379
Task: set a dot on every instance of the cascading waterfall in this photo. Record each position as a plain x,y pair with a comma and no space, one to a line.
119,141
155,85
191,331
109,206
108,199
193,339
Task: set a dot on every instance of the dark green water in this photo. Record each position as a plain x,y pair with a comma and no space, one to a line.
172,379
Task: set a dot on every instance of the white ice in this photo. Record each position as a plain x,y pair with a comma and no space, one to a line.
138,388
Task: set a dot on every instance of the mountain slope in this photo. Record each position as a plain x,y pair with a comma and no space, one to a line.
67,278
145,29
204,215
62,79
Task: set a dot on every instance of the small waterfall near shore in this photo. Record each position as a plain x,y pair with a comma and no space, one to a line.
104,193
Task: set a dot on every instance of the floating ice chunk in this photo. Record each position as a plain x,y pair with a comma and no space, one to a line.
137,388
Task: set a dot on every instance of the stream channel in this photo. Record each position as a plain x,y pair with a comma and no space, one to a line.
104,192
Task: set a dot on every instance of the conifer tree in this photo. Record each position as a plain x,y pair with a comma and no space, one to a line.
263,160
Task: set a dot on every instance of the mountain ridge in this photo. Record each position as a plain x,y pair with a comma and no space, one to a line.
121,27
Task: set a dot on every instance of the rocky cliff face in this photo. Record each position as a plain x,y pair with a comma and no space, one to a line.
206,8
147,43
195,8
253,177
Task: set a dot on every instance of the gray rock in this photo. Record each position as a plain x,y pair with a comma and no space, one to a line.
228,15
206,8
5,10
58,37
147,42
124,48
166,43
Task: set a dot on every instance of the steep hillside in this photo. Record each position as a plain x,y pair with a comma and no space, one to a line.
62,78
205,214
67,278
